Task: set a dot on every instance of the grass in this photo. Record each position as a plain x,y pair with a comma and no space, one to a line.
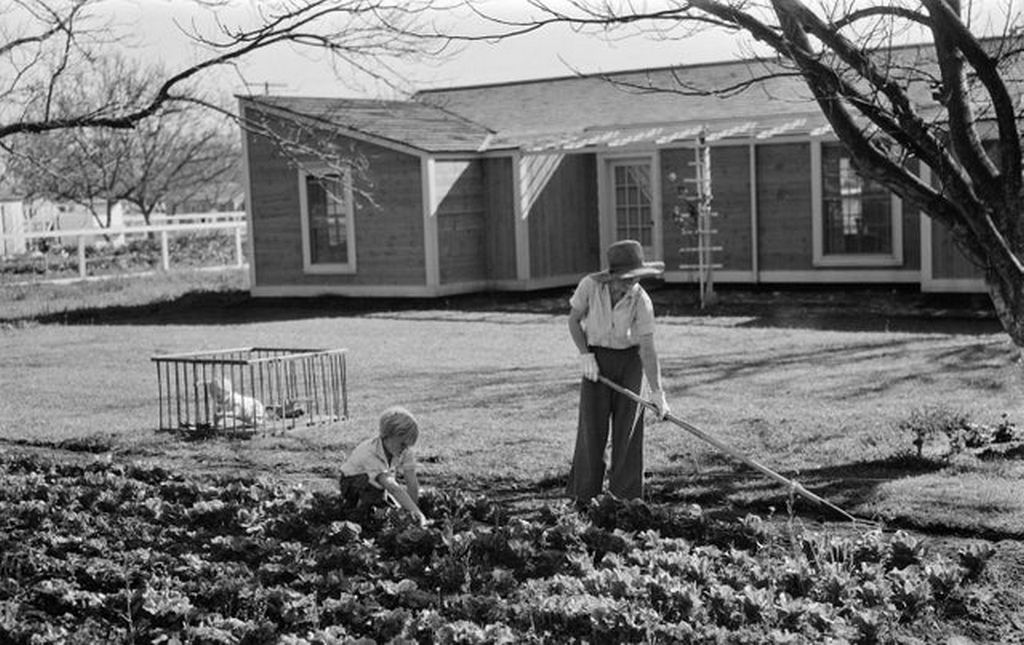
816,396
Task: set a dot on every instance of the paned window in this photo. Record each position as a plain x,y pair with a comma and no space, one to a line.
632,191
857,211
327,222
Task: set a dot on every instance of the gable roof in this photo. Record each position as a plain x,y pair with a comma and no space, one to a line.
410,123
751,98
631,101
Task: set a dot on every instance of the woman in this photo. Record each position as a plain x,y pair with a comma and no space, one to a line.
612,324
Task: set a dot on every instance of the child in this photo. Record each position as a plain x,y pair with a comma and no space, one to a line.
368,475
231,408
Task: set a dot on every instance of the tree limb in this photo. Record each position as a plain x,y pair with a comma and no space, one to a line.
951,30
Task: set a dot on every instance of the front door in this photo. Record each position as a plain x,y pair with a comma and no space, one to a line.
630,213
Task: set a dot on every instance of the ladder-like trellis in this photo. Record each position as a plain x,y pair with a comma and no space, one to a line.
696,223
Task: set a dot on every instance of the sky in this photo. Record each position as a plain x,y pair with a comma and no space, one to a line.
553,52
150,29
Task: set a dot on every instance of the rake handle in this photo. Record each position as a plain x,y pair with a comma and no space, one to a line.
700,434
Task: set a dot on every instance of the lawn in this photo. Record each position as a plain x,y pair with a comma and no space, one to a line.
818,391
494,382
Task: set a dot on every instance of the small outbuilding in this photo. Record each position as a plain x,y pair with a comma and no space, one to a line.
519,186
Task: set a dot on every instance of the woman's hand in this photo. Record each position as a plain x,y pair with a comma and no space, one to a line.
660,402
588,366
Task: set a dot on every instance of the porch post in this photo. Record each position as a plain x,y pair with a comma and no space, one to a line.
522,223
431,252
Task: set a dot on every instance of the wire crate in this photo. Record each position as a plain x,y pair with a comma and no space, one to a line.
251,389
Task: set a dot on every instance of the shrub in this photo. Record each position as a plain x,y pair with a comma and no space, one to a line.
185,250
955,433
929,424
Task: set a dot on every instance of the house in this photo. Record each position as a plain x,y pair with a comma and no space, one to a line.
12,225
218,196
521,185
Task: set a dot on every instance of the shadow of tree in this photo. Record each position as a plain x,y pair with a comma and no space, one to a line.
975,362
238,307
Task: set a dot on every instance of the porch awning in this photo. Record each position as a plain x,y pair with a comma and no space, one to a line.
662,134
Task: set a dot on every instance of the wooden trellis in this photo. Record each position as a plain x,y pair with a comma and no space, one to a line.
700,232
245,390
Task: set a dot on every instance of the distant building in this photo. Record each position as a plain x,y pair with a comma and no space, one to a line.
20,216
12,225
212,197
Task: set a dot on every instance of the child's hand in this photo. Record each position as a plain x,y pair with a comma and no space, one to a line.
422,520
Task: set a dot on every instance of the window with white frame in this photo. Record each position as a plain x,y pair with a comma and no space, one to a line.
858,220
328,226
858,214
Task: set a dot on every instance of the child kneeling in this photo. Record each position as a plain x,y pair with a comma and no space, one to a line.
369,475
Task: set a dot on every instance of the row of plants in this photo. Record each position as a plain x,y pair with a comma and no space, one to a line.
109,552
950,433
185,250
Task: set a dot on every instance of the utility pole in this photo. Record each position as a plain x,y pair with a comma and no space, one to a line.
266,85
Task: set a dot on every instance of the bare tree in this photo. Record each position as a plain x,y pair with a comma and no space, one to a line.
170,158
49,46
85,166
187,164
55,80
180,149
956,111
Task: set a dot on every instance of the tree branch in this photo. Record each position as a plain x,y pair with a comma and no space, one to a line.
951,30
369,31
826,84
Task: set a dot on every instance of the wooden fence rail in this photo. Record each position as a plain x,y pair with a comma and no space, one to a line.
84,235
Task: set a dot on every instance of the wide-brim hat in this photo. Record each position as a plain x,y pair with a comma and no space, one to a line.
626,260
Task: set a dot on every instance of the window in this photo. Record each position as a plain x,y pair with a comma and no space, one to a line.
860,218
328,229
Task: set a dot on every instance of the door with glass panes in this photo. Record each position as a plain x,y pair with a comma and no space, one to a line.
630,203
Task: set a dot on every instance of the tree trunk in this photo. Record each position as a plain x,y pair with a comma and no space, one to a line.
1007,294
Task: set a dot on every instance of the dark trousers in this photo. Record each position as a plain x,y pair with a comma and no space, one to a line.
357,493
599,407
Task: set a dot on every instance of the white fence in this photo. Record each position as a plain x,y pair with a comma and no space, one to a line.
163,226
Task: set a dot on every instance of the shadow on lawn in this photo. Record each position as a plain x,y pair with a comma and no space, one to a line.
794,307
238,307
736,492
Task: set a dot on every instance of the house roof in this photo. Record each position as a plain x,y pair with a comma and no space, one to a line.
570,112
625,105
602,110
411,123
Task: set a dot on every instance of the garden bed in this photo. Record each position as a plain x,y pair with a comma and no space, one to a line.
104,552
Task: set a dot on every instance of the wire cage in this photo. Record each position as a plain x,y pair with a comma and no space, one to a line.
251,389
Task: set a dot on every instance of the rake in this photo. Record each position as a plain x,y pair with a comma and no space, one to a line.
794,486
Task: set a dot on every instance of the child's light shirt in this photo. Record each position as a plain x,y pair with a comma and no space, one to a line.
246,409
618,327
235,409
370,459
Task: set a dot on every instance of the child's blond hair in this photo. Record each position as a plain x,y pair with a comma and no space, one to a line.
220,388
398,422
